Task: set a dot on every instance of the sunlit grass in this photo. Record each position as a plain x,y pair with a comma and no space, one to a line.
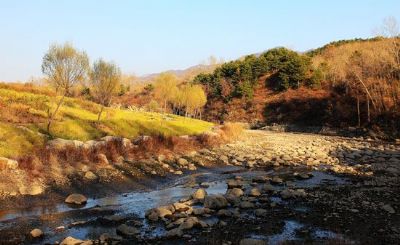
77,119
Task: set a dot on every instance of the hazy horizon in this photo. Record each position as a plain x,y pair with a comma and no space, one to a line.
153,36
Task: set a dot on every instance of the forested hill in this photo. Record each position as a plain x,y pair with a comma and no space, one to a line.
345,83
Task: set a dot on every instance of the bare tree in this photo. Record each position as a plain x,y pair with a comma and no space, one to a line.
65,67
105,78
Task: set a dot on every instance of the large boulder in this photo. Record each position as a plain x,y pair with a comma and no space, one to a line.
215,202
78,199
199,194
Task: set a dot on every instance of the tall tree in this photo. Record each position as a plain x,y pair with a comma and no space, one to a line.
65,67
165,88
105,78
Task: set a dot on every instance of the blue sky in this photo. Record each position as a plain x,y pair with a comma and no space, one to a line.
150,36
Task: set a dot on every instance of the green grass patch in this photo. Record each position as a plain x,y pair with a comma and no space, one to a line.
77,119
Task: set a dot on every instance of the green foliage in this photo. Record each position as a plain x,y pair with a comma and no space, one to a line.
289,68
316,78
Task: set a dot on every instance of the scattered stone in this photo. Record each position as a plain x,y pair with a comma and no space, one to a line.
236,192
255,192
89,175
388,209
182,162
215,202
78,199
260,179
127,231
276,180
260,212
179,172
246,205
36,233
174,233
199,194
233,183
73,241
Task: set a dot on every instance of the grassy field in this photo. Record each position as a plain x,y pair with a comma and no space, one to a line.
23,117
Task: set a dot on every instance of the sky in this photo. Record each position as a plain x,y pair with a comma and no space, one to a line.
150,36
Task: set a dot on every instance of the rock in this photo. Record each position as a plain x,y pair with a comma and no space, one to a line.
388,209
127,231
36,233
215,202
276,180
289,193
180,207
33,189
73,241
304,176
252,241
174,233
161,158
260,179
76,199
160,212
236,192
224,159
89,175
268,188
234,183
6,163
188,223
182,162
102,159
201,211
179,172
260,212
205,184
224,213
104,237
199,194
246,205
255,192
192,167
60,144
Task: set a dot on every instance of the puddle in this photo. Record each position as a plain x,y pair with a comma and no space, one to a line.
290,230
288,233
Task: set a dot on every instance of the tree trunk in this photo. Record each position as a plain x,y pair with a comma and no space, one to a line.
51,118
101,111
358,111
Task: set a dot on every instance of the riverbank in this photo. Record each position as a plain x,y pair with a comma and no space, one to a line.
311,188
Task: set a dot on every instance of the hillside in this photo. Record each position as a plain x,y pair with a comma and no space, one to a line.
23,116
344,83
